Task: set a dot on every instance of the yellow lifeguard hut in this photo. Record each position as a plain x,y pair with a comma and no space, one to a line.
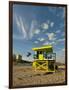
44,58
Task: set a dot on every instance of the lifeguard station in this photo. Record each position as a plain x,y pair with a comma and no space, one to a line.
44,58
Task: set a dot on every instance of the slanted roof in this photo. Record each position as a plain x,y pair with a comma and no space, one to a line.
46,47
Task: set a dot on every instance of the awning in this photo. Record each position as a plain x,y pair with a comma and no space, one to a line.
46,47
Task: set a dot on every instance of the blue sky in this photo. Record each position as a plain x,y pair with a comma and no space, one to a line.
34,26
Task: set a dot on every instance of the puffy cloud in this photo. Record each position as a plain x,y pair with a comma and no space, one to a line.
46,43
35,42
61,40
41,39
52,24
37,31
58,31
49,43
51,36
45,26
53,42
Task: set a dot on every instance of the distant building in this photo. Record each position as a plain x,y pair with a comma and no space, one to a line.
18,58
14,57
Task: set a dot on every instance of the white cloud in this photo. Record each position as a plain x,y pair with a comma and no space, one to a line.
51,36
32,31
45,26
46,43
17,21
53,42
35,42
63,49
60,40
49,43
54,39
52,24
20,25
37,31
41,39
27,33
58,31
23,28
